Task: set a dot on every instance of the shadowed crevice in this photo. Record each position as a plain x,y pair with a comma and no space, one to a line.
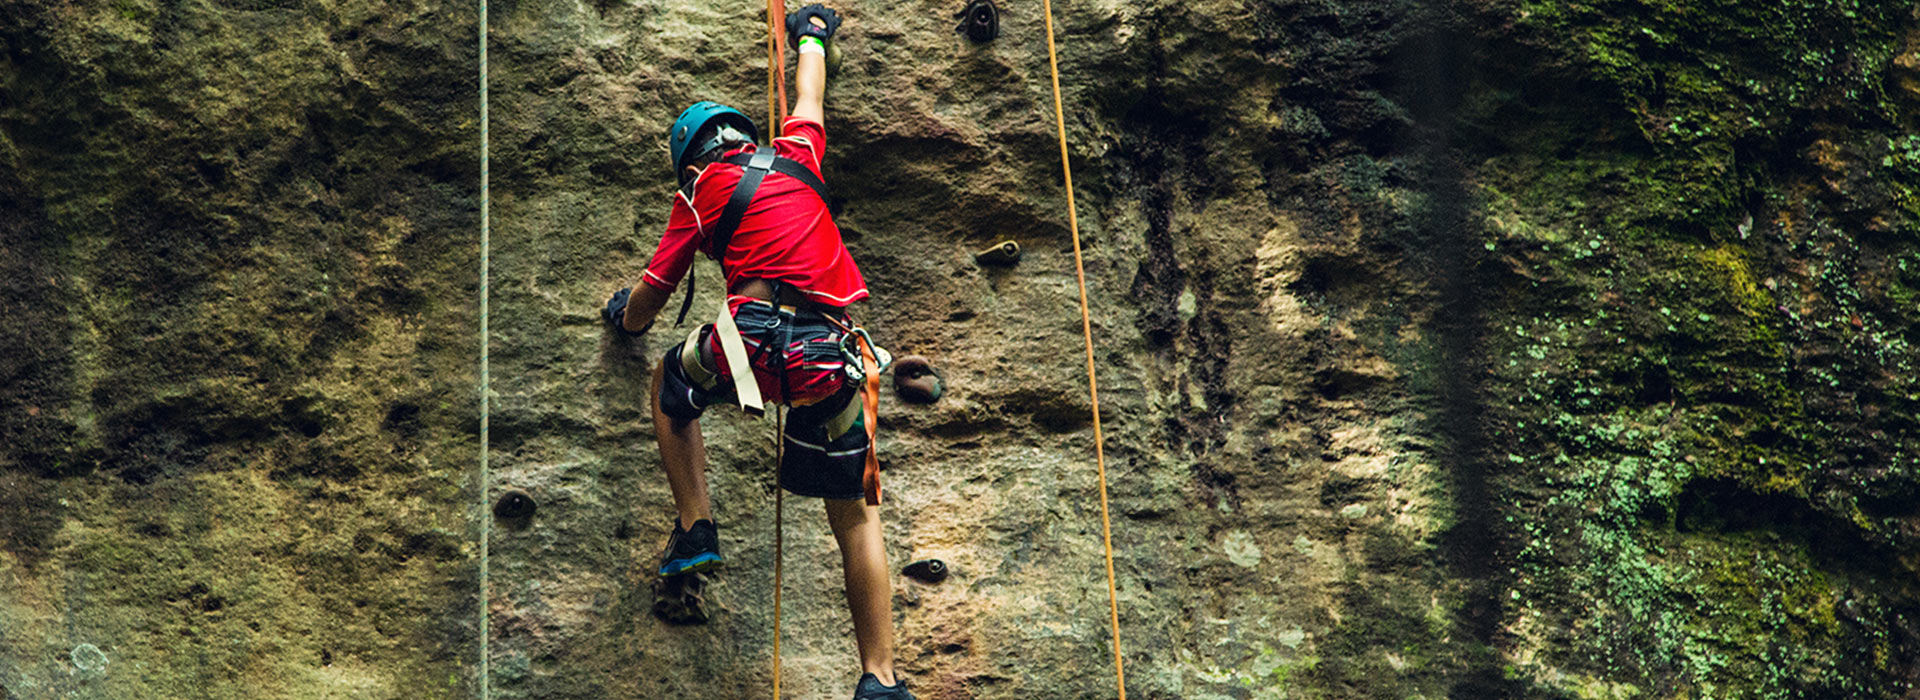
1436,71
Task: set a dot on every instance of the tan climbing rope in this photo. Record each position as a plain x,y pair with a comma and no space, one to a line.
776,111
1093,384
779,539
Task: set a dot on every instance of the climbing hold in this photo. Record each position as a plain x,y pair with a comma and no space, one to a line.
89,658
927,570
1002,253
680,600
514,505
980,21
916,381
833,59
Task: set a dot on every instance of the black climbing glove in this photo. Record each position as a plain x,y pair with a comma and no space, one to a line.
800,23
616,312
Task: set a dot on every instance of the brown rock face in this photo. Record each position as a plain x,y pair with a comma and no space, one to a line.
236,350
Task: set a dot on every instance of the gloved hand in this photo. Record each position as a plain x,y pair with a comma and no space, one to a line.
616,312
800,23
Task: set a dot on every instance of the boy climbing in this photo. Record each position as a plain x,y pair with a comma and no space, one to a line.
762,213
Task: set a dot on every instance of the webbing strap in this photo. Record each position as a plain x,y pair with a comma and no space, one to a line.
790,168
686,300
756,168
722,235
744,386
870,407
690,362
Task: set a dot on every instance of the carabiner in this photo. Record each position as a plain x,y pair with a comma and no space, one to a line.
856,367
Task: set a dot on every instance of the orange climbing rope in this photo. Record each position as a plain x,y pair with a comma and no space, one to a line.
776,60
1093,384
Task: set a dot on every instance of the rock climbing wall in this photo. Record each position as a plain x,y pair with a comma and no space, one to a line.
236,360
1471,349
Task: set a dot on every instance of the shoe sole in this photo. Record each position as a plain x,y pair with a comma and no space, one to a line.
701,563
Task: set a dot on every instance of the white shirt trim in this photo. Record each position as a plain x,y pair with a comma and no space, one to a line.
843,300
682,195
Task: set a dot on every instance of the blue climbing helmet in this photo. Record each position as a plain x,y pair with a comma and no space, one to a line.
695,120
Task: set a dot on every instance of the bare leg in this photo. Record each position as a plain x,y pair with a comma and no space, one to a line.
683,454
863,556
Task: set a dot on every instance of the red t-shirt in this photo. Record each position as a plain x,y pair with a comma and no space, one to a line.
786,235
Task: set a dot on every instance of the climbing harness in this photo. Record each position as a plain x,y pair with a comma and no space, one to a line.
1086,327
754,168
870,366
848,353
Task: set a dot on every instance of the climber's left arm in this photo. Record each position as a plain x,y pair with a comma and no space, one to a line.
811,27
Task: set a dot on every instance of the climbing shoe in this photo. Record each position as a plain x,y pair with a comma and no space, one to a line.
695,549
870,689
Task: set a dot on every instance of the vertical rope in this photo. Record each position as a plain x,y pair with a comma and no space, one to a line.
776,109
486,222
776,60
1093,384
779,541
773,108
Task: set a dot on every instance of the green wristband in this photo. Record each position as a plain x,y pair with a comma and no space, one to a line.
813,40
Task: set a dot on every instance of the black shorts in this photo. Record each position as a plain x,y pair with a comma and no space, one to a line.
812,464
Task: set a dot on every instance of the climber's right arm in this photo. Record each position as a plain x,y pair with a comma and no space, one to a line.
643,306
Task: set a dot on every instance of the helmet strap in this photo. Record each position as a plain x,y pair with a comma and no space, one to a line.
721,137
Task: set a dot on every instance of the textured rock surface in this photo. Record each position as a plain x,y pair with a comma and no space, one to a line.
1476,349
236,413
